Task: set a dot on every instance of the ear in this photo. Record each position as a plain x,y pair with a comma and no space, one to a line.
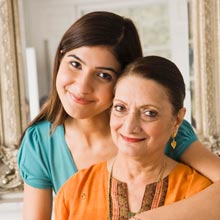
180,117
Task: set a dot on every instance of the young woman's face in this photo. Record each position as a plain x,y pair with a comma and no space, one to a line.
85,81
141,119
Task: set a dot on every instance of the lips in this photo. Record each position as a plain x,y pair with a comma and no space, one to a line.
132,140
80,100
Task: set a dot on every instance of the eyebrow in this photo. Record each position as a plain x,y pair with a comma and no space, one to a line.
140,107
98,67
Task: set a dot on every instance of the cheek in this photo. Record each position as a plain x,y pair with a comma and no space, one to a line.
107,92
60,83
115,122
64,76
162,130
104,93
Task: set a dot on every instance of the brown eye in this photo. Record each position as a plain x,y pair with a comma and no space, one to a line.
105,76
75,64
149,115
119,108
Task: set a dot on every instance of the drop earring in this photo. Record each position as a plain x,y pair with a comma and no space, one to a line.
173,142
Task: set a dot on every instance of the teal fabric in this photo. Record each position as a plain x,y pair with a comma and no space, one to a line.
185,137
45,161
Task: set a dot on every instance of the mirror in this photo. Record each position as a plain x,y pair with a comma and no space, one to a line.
186,32
163,26
12,105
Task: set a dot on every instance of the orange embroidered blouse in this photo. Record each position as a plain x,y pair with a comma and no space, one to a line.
85,194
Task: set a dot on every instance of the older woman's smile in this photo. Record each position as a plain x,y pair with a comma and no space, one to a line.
131,139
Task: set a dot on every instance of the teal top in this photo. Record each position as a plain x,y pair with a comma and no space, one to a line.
45,160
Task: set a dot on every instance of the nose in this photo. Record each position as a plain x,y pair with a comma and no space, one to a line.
84,83
132,123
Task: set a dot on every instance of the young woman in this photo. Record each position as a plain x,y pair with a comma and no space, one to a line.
147,111
72,130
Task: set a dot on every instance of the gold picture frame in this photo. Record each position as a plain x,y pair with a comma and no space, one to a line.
12,105
205,20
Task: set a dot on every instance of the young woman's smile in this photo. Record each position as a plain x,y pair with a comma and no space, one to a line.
80,99
85,81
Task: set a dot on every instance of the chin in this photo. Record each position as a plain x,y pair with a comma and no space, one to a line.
127,151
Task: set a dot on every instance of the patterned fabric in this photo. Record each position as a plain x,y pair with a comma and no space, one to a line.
154,197
93,184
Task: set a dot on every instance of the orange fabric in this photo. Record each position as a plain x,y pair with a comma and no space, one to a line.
84,195
184,182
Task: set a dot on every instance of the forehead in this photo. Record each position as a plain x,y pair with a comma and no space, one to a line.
91,52
138,89
95,56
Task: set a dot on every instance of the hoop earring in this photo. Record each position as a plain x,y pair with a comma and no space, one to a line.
173,142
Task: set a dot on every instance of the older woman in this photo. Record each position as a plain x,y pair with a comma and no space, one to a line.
147,110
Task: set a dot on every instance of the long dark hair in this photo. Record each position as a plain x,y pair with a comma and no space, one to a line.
93,29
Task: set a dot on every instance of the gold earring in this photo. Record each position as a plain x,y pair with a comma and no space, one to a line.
173,142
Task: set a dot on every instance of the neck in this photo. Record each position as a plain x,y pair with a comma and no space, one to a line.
88,129
139,171
136,175
89,141
95,122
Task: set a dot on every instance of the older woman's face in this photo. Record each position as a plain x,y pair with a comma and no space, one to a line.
141,119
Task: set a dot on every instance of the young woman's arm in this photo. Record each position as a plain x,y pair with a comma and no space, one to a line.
202,206
203,160
205,204
38,203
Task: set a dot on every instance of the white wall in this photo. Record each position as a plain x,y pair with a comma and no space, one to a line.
11,206
11,211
